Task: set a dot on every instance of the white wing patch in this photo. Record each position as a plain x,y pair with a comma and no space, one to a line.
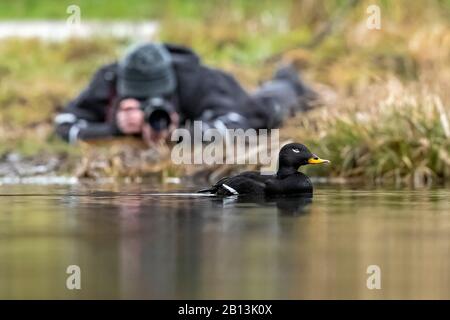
230,189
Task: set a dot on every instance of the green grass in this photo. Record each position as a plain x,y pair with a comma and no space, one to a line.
405,142
129,9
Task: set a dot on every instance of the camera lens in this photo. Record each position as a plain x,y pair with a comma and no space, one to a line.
159,120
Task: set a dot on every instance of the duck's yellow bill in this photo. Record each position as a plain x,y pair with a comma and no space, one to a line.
317,160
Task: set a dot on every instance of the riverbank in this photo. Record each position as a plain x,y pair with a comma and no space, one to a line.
385,95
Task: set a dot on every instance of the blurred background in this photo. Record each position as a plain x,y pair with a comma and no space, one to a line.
385,96
383,118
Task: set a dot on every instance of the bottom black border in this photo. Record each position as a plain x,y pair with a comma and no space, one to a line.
222,309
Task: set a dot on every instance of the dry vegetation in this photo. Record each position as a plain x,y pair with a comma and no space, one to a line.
390,117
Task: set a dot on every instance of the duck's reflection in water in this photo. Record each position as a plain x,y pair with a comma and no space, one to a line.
292,205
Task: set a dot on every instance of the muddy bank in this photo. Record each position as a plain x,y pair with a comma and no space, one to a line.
121,159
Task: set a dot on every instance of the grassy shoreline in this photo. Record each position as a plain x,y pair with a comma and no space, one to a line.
385,94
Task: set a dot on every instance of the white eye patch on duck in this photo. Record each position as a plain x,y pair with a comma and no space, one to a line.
296,150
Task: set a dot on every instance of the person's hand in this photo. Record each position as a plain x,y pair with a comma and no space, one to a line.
130,118
152,137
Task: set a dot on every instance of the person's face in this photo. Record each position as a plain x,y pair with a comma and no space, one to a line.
130,118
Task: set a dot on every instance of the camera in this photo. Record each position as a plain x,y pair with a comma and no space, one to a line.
157,113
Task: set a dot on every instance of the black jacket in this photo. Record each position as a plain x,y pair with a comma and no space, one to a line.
202,93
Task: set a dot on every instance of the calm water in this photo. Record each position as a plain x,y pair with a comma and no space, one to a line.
132,244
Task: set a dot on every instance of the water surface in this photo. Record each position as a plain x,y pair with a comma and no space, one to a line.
131,243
